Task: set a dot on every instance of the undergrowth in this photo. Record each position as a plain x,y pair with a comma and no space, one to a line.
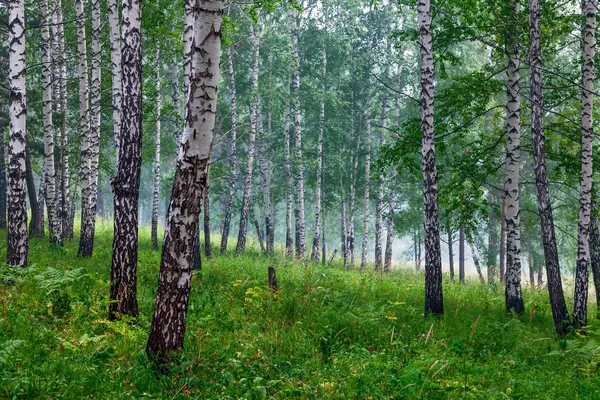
327,333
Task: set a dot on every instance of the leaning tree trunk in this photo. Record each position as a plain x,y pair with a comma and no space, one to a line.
169,319
60,79
88,220
434,302
156,190
16,251
41,199
315,247
514,297
587,175
115,58
289,240
36,224
232,154
595,259
2,184
49,182
557,298
259,232
254,109
126,184
299,207
476,261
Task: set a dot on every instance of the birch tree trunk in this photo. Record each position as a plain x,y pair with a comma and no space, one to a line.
41,198
17,248
379,202
531,271
88,218
367,195
60,78
450,252
514,297
289,240
265,178
156,190
2,184
352,206
389,241
315,247
587,175
126,184
503,237
476,261
254,109
434,302
343,231
169,319
299,207
84,115
47,110
557,299
232,154
115,58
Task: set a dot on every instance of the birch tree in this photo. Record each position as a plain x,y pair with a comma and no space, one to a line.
587,175
155,191
88,219
299,206
49,180
126,183
557,299
316,238
514,298
254,107
17,248
232,154
434,303
115,58
169,319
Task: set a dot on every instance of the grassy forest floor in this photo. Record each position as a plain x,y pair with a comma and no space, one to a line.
328,333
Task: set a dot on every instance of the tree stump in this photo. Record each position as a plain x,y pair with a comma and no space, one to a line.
272,279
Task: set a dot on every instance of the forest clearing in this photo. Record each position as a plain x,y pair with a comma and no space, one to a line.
326,333
299,199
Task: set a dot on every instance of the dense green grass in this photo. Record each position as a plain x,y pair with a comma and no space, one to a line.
328,333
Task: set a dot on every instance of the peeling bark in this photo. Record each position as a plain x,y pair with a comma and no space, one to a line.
156,190
170,312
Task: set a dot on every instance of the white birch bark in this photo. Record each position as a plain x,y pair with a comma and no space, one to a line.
232,154
289,239
17,249
367,183
434,303
88,217
126,184
49,181
587,175
299,206
156,189
315,247
247,195
514,298
115,58
169,319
